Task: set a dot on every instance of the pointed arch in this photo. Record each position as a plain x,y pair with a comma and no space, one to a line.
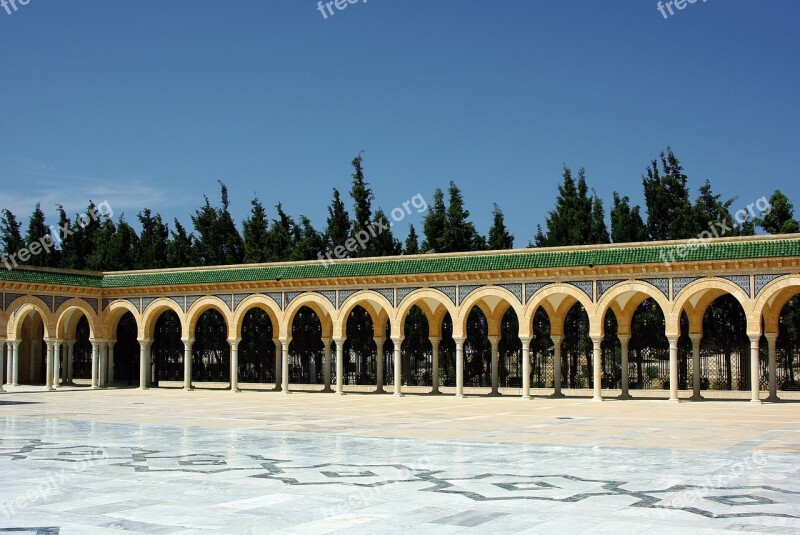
199,307
493,301
434,304
114,312
378,307
66,319
319,304
261,301
23,306
624,299
696,297
154,310
558,299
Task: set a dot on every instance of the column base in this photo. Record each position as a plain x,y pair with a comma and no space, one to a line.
379,390
50,389
625,396
756,402
557,395
494,394
144,388
773,399
188,388
327,390
340,393
597,399
697,397
286,392
460,396
235,390
526,398
673,400
435,392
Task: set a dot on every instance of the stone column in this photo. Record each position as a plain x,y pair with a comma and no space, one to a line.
15,364
285,365
597,368
57,364
772,340
755,370
187,363
495,343
398,366
33,357
673,369
3,346
70,361
234,364
624,341
459,367
326,366
9,362
48,375
557,366
278,364
696,371
144,364
110,367
95,364
339,366
526,368
379,364
435,341
102,353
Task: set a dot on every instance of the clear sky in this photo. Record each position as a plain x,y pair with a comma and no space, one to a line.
148,104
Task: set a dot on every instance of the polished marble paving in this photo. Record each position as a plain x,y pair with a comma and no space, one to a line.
72,475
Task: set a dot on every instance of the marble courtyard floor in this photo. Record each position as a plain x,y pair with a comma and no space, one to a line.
82,461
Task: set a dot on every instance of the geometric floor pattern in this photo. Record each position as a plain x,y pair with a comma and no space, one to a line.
64,477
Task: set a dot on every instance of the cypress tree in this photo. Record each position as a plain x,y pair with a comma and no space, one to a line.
669,211
10,236
339,226
412,242
499,237
181,250
780,217
434,224
256,234
626,222
152,241
362,199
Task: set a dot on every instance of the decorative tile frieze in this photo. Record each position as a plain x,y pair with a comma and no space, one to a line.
533,287
402,293
464,291
278,298
586,287
515,289
762,280
449,291
291,296
661,284
48,299
679,283
388,293
107,303
330,295
742,281
227,299
179,300
604,286
60,300
190,300
146,303
343,296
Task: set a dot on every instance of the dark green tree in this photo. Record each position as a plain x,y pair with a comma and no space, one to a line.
434,224
626,222
69,241
232,247
669,211
384,242
10,235
39,233
572,221
339,226
499,237
152,241
207,244
309,242
180,248
599,230
412,241
123,247
101,259
459,232
256,234
362,211
780,217
283,236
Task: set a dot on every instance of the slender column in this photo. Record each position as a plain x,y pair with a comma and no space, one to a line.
278,364
459,367
33,357
557,366
3,349
326,366
187,363
234,365
95,364
15,364
435,341
398,366
696,372
624,342
526,368
102,352
755,369
57,364
673,369
379,364
285,365
495,343
339,365
772,339
110,362
144,364
10,362
597,367
48,376
70,361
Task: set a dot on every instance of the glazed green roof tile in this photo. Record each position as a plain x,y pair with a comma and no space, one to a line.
528,259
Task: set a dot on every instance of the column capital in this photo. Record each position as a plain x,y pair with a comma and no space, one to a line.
494,340
397,341
234,341
143,342
556,338
187,340
696,337
596,339
379,340
673,340
433,339
284,341
771,337
459,339
526,339
624,338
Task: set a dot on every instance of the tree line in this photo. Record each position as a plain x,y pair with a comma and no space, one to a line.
578,218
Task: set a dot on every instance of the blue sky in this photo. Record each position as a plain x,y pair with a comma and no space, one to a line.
148,104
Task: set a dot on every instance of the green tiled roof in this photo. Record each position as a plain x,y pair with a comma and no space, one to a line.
429,264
